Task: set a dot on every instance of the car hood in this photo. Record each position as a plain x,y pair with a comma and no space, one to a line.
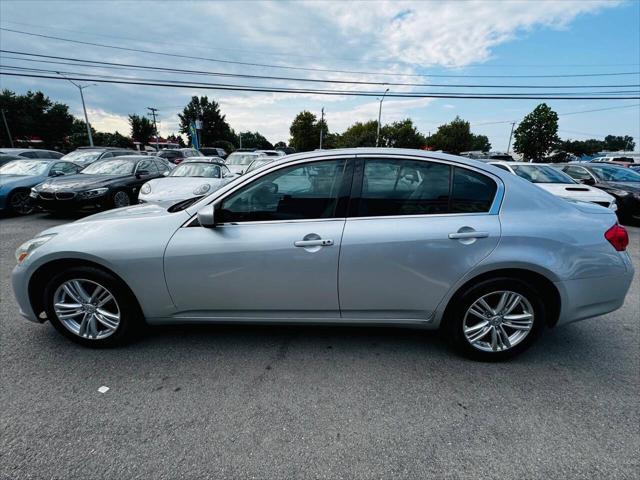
71,182
574,190
633,187
12,181
182,187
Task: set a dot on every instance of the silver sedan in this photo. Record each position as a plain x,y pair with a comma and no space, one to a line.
359,236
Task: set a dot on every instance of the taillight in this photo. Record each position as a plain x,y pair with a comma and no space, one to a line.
618,237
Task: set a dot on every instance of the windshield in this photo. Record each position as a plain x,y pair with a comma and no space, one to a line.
82,157
541,174
615,174
110,167
240,159
24,167
192,169
258,163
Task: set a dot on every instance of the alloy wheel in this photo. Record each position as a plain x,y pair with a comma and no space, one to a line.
498,321
21,203
86,308
121,199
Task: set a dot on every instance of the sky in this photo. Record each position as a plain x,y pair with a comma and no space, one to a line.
394,42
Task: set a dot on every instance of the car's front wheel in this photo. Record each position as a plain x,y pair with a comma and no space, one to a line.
496,319
91,307
20,202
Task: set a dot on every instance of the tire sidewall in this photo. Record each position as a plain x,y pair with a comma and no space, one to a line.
129,311
455,321
113,200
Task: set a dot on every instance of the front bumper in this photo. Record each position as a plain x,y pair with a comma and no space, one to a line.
20,283
53,203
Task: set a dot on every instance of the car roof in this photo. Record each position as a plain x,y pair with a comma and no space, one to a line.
204,160
104,148
20,150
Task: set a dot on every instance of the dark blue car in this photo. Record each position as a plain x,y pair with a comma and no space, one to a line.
19,176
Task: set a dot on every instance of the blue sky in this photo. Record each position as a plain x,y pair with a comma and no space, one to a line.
427,38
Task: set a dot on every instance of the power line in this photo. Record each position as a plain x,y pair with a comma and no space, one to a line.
116,65
545,95
241,88
308,69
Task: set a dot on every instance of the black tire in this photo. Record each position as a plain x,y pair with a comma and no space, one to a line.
20,203
120,194
455,317
131,319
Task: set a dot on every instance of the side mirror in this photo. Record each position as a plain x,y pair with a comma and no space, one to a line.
56,173
142,173
206,216
588,181
165,174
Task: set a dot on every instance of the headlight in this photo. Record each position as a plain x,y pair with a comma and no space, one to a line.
146,189
34,193
619,193
202,189
29,246
96,192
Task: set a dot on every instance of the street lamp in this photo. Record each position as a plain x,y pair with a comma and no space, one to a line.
379,116
84,108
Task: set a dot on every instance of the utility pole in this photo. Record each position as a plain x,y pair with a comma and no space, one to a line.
155,128
379,117
240,137
84,108
321,127
513,124
6,125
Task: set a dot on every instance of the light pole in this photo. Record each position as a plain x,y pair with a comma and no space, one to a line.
379,117
84,108
321,127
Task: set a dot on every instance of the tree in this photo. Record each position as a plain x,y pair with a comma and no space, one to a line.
581,148
106,139
537,134
78,136
456,137
280,144
214,125
35,115
255,140
402,134
615,143
359,135
176,139
305,132
142,129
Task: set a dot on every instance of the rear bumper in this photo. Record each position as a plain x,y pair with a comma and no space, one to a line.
591,297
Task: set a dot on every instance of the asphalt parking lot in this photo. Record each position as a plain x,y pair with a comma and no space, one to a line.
310,402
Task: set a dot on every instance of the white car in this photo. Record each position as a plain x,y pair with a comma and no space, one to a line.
192,178
239,161
558,183
271,153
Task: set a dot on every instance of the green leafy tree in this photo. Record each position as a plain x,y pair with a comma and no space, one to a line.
581,148
142,129
537,134
402,134
107,139
214,125
78,136
456,137
280,144
176,139
305,132
255,140
35,115
359,135
615,143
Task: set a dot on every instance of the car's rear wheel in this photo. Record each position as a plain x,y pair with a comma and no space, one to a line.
91,307
496,319
20,202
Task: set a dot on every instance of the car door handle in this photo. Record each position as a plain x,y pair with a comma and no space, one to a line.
461,235
322,242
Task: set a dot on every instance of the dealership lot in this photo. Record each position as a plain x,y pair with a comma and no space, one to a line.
307,402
